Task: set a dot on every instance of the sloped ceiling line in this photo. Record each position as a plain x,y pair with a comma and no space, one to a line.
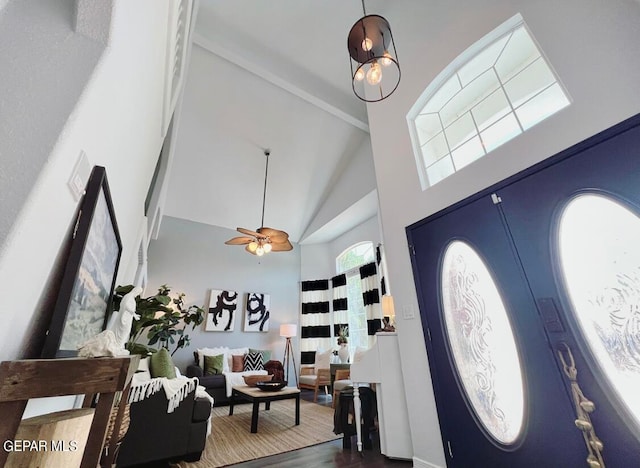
276,80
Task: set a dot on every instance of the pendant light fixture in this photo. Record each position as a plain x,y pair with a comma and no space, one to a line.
375,70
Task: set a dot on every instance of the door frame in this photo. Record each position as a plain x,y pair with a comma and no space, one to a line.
584,145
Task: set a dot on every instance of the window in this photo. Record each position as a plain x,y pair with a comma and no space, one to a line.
497,89
349,263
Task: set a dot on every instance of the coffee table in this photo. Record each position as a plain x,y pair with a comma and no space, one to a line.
257,396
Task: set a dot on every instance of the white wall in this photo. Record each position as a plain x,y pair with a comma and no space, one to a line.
192,258
316,262
368,231
45,66
594,47
319,260
116,121
354,181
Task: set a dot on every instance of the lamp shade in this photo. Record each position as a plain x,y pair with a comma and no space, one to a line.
287,330
375,70
388,308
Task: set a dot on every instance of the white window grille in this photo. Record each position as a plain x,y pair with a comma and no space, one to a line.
497,89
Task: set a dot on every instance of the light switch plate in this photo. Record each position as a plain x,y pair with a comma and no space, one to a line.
79,176
408,312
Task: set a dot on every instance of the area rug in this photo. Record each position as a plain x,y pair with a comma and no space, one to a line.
232,442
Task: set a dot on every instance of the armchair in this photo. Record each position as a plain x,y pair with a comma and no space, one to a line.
341,382
318,375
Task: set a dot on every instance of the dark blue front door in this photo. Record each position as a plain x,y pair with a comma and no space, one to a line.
509,282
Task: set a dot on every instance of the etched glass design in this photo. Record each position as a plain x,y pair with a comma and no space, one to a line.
482,343
600,262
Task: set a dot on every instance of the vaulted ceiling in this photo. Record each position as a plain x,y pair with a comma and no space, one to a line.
268,75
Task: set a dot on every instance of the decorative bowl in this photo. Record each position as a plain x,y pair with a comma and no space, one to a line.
272,386
252,380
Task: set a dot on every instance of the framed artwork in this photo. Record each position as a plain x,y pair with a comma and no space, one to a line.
256,312
85,293
221,314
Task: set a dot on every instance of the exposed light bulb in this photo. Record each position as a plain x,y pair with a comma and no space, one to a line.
260,251
359,76
367,44
386,59
374,75
267,247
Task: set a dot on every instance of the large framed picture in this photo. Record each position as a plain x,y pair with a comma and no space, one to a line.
86,290
256,312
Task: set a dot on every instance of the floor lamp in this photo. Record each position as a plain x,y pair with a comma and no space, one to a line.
288,331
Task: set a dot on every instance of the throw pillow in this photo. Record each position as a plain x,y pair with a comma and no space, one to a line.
266,353
232,352
323,359
253,361
161,364
202,352
143,365
238,363
213,365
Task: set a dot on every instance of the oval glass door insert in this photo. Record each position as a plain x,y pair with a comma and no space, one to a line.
600,263
482,343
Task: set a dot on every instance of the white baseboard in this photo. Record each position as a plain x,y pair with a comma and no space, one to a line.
418,463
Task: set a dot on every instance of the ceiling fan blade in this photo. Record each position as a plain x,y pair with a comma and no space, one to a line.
279,239
239,240
249,232
267,231
276,236
283,247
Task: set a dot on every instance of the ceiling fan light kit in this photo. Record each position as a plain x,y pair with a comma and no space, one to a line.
263,240
375,70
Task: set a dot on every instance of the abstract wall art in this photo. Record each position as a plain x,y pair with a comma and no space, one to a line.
256,312
221,314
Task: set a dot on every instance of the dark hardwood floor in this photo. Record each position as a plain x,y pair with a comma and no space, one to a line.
327,454
321,455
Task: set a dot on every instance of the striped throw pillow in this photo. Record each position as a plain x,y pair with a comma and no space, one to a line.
253,361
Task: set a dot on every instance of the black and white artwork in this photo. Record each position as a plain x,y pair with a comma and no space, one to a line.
256,312
221,315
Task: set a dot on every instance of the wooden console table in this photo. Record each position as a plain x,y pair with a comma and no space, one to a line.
38,378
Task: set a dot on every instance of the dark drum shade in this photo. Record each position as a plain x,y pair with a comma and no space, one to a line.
375,69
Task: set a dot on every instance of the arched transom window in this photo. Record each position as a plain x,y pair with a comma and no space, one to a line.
497,89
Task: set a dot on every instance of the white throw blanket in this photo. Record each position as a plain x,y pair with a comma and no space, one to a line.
236,378
201,392
175,389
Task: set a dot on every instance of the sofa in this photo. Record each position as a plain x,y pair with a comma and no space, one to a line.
219,385
157,434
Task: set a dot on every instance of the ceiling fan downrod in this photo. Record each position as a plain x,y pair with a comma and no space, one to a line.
267,152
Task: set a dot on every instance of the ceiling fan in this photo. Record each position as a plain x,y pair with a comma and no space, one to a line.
263,240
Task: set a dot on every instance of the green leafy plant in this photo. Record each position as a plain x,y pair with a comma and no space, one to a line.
343,335
164,325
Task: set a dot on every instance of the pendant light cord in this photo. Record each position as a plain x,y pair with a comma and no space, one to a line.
363,10
264,193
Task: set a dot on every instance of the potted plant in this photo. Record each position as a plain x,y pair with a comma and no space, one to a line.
164,326
343,352
343,335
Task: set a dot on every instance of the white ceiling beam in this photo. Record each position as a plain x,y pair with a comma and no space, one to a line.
276,80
